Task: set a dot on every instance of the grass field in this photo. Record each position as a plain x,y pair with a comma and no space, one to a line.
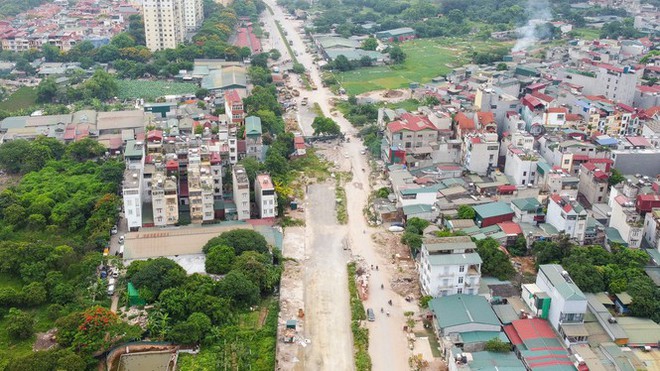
24,97
150,90
426,59
587,33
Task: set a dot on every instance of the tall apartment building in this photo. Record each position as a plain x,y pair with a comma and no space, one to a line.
132,186
200,193
567,215
164,200
241,187
265,196
193,12
480,152
164,24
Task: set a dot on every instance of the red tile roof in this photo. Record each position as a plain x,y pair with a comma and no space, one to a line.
639,141
510,228
485,118
557,110
464,122
573,117
535,328
532,102
231,96
411,123
543,97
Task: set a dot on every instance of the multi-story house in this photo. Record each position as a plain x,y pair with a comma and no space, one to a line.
652,228
234,108
164,24
551,179
164,200
627,221
480,152
200,192
265,196
241,188
614,82
567,216
253,139
521,165
132,186
193,12
567,302
449,265
527,210
593,182
495,100
410,140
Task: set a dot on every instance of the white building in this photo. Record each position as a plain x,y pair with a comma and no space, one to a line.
132,186
480,152
652,229
449,265
626,220
164,24
241,186
265,196
567,302
164,200
526,209
521,165
200,192
193,11
567,216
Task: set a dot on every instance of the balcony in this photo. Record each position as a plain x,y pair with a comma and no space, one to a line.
473,270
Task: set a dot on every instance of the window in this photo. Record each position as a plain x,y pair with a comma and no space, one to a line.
524,173
460,279
459,291
461,268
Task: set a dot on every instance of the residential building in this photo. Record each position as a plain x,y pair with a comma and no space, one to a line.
253,139
200,192
466,321
485,360
521,165
567,302
652,229
480,152
410,140
234,108
241,188
567,216
538,346
614,82
193,12
637,161
593,183
626,221
527,210
164,24
495,100
449,265
132,186
265,196
493,213
164,200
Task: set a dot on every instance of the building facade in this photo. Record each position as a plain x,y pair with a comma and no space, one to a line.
193,11
449,265
265,196
241,187
164,200
164,24
567,215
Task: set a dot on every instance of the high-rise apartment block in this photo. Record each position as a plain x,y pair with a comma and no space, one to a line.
241,185
164,24
193,12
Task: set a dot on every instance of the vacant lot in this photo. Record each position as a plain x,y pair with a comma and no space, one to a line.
426,59
24,97
150,90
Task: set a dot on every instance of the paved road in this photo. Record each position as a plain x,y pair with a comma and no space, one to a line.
387,342
327,312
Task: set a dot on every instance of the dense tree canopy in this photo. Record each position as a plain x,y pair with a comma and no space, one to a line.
240,240
495,262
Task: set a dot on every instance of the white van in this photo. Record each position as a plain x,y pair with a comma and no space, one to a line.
111,289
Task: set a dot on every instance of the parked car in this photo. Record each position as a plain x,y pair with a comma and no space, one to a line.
115,273
111,289
121,250
370,315
396,228
121,239
113,230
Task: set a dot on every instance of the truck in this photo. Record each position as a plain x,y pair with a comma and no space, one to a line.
290,42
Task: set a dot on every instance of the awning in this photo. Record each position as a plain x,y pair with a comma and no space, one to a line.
574,329
507,188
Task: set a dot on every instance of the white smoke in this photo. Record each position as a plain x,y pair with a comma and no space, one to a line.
539,13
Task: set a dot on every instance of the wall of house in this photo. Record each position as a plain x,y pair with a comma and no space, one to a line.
523,172
469,327
480,155
651,231
443,280
421,198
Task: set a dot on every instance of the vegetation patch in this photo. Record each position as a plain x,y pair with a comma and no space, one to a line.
360,334
23,98
340,201
150,90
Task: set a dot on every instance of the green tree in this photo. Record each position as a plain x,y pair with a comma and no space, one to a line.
259,76
497,345
466,212
47,90
220,259
270,122
298,68
325,126
495,262
501,67
13,155
370,43
342,63
236,286
20,325
85,149
275,54
417,225
201,93
240,240
155,275
123,40
519,247
397,56
615,177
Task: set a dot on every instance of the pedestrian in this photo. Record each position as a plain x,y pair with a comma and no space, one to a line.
376,267
372,267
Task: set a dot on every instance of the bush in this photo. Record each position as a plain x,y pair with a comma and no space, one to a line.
240,240
20,325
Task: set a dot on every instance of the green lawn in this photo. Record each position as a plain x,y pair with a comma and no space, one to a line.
426,59
150,90
10,348
587,33
24,97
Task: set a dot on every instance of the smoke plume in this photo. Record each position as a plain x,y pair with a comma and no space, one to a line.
538,13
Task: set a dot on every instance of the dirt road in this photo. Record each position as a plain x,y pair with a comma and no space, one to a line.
387,342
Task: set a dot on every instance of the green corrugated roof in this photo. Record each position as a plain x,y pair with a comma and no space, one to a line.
543,167
454,310
493,209
430,189
253,125
495,361
455,259
567,289
483,336
613,235
416,209
526,204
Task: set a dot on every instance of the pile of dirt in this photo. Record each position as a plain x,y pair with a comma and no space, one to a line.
392,94
45,340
